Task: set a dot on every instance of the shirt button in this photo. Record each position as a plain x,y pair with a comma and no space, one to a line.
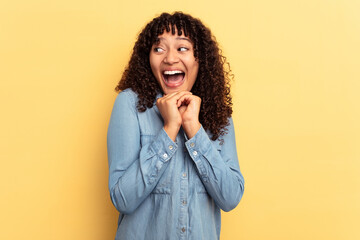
195,153
184,202
192,144
184,174
165,155
183,229
171,147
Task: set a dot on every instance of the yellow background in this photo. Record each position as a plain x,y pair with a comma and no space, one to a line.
296,109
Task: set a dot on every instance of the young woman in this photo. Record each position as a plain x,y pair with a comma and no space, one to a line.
171,141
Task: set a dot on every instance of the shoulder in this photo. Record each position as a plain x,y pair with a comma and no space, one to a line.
126,99
127,95
231,122
228,137
230,129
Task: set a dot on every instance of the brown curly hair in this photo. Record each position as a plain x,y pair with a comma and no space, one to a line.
212,84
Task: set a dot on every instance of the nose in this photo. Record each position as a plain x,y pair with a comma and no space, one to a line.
171,57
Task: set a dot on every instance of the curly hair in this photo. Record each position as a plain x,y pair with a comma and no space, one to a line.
212,84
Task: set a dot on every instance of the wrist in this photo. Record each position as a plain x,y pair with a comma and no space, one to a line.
172,131
191,128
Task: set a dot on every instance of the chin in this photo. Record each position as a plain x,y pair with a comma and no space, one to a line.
169,91
173,90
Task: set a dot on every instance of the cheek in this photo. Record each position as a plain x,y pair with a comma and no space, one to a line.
192,64
195,69
152,62
154,66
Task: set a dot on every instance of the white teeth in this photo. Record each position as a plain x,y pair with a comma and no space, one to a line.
172,72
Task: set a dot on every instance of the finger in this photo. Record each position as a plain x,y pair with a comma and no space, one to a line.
167,96
184,100
187,99
177,93
176,96
170,95
182,109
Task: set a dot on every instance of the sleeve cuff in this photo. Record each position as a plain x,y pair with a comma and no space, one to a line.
164,146
198,143
198,146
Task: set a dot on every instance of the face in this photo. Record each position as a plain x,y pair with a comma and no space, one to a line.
173,63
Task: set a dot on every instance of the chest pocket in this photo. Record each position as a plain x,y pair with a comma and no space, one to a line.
164,184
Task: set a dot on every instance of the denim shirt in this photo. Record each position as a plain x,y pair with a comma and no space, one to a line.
164,189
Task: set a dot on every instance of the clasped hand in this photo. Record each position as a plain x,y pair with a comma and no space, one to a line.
180,109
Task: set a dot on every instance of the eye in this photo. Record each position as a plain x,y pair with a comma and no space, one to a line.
182,49
158,49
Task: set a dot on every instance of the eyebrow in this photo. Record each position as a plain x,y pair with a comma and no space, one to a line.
183,38
178,38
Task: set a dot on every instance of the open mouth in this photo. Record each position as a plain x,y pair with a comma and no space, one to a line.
173,78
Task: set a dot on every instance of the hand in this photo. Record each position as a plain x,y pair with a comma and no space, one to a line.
189,108
168,107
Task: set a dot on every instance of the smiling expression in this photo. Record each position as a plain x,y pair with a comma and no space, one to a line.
173,63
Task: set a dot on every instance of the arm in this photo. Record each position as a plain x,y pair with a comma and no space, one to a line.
134,170
218,170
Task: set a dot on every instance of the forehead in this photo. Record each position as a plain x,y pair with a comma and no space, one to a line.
168,36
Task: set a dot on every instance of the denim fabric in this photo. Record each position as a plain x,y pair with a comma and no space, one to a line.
164,189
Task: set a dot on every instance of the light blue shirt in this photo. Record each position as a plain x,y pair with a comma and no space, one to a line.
163,189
